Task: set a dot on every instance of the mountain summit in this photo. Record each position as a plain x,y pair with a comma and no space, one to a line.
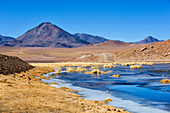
148,39
47,35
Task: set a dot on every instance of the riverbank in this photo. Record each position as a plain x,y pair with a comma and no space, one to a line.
26,93
136,89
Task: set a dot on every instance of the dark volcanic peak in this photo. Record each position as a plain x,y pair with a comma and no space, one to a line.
48,24
45,23
148,39
47,35
90,38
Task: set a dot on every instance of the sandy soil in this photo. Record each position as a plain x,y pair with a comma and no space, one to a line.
158,51
25,93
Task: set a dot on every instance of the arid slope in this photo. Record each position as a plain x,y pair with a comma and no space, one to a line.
112,45
120,51
159,51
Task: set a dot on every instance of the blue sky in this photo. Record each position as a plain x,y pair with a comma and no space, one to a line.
126,20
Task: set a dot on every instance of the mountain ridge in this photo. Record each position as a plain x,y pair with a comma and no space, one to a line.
5,38
47,35
90,38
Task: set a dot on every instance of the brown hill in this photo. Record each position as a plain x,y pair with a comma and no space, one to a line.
112,45
159,51
46,35
126,52
102,57
10,64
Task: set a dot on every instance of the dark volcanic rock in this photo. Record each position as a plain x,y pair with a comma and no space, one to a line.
47,35
10,64
91,38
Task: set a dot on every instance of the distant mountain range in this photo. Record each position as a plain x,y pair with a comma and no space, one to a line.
91,38
5,38
46,35
148,39
49,35
112,45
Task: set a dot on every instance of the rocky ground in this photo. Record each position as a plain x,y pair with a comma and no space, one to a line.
11,64
159,51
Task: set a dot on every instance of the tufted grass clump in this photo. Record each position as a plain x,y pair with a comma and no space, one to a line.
106,72
107,99
115,75
165,81
136,66
108,66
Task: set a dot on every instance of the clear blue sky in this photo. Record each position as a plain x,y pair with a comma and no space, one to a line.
126,20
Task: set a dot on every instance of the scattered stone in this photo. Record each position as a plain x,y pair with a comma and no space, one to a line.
167,54
108,109
114,109
118,110
143,49
82,103
151,46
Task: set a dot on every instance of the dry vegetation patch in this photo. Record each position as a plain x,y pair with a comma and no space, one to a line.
24,93
165,81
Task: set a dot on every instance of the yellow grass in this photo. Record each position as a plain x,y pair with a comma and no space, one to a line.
108,66
25,93
54,83
115,75
136,66
79,69
106,72
108,99
165,81
70,70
